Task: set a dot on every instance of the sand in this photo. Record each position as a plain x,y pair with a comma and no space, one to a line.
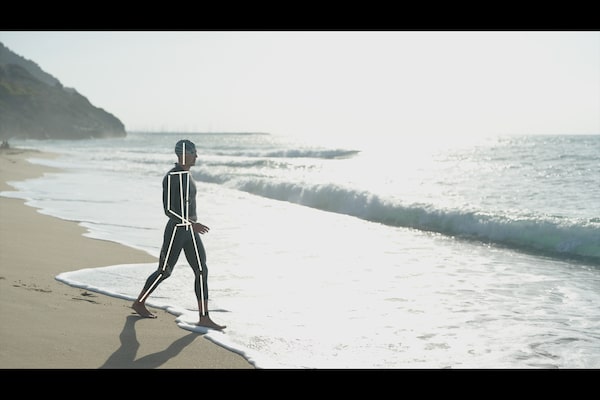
46,324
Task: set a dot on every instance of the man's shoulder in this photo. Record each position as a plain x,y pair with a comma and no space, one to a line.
176,168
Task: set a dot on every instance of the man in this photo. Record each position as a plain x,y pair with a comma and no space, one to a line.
181,233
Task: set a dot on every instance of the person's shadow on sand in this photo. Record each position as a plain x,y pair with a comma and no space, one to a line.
124,356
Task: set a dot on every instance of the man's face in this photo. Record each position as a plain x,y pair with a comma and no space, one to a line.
190,158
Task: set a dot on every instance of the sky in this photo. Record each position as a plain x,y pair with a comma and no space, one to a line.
350,84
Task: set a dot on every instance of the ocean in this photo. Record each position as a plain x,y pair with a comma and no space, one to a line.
434,254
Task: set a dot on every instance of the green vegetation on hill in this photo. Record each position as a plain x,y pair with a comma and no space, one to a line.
35,105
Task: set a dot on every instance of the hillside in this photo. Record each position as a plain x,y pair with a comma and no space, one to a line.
35,105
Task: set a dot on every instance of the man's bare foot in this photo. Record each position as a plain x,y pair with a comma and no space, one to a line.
208,323
141,309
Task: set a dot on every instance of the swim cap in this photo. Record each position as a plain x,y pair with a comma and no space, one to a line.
189,146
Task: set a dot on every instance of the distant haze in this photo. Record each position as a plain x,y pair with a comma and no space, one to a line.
354,84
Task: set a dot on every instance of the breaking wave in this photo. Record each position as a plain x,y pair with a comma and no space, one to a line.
549,236
292,153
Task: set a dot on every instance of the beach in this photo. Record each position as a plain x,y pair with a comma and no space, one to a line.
447,265
47,324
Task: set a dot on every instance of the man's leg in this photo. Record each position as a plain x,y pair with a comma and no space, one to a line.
196,256
169,254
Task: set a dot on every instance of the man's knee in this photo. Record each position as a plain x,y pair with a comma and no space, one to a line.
165,270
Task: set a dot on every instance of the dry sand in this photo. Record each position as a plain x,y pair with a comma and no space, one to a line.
49,325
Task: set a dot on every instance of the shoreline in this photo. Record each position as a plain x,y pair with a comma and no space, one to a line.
47,324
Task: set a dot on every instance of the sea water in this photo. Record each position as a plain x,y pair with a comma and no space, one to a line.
428,254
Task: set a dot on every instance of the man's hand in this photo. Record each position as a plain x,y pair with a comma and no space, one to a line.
198,227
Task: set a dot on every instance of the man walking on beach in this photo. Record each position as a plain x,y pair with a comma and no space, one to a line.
181,233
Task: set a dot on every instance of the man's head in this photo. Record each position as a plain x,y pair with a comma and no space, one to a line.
186,152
